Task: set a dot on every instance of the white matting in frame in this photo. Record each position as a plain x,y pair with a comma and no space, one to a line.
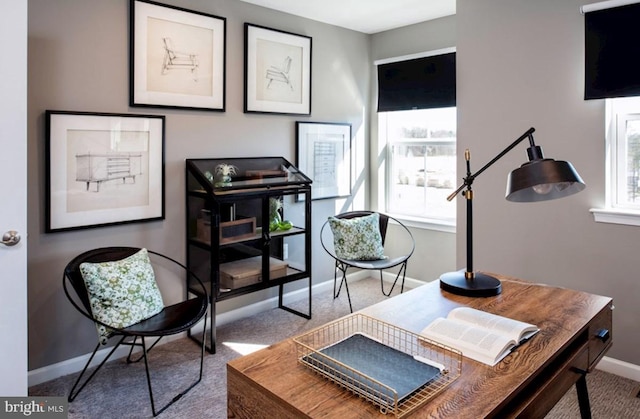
324,155
103,169
177,57
277,71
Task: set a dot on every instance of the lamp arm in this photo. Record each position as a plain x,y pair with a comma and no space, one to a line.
468,181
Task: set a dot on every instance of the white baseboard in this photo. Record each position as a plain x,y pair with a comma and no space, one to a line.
73,365
620,368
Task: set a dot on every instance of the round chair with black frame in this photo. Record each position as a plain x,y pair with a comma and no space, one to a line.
357,239
116,288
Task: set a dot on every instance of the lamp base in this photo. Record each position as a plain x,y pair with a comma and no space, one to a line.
480,285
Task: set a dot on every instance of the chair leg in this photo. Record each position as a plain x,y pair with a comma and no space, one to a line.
72,395
335,279
343,269
203,349
145,352
146,368
134,344
403,271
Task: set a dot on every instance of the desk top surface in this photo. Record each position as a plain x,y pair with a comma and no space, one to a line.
561,314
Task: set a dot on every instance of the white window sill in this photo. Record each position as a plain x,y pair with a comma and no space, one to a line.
426,223
616,216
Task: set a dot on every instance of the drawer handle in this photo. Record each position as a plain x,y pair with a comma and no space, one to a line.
603,334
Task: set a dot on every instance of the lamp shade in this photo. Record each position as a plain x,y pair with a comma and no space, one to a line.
543,180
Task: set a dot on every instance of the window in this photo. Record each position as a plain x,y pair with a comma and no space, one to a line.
421,163
623,163
417,127
612,74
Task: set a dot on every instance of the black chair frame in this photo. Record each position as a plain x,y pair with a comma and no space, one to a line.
342,265
171,320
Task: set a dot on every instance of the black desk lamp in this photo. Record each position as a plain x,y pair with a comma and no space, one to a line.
539,179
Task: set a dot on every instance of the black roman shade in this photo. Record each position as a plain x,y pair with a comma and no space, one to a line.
421,83
612,52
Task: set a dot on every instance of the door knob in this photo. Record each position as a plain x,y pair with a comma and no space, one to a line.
10,238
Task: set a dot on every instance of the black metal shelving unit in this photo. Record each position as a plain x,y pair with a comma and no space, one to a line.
230,245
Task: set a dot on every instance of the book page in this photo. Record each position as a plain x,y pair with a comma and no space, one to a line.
513,329
476,343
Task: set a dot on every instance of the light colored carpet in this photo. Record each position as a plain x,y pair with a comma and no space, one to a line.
120,391
611,397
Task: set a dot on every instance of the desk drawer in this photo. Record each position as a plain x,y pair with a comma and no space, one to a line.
600,335
539,397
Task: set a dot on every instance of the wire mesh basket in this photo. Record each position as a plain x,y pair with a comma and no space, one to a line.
394,369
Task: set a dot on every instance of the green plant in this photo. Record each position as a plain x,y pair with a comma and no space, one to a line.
275,217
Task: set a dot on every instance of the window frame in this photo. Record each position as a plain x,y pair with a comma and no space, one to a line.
618,112
445,224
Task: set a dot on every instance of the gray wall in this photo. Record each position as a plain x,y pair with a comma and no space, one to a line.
520,65
78,61
435,250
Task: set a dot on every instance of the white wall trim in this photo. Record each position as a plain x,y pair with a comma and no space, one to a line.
426,223
415,56
616,216
619,368
605,5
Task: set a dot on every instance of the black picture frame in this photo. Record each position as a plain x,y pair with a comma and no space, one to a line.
177,58
277,71
323,151
103,169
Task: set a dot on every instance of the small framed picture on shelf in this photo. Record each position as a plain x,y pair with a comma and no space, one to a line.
177,57
324,155
103,169
277,71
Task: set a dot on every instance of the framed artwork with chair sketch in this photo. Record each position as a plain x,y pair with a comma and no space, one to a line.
177,57
277,71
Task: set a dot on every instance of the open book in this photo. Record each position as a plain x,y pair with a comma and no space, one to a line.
479,335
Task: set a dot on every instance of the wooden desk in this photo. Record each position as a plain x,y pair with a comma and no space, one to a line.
527,383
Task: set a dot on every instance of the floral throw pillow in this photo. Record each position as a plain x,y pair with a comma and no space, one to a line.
122,292
357,238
